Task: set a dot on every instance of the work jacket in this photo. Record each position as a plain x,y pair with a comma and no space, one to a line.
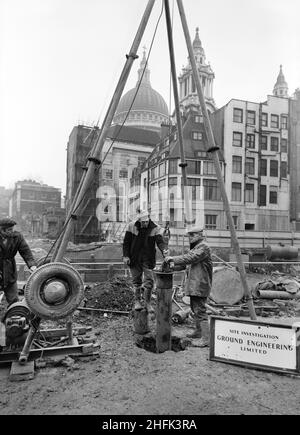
139,244
200,268
8,269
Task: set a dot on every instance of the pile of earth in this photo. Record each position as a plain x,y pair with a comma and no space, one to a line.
114,294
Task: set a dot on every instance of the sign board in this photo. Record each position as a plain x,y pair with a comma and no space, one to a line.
257,344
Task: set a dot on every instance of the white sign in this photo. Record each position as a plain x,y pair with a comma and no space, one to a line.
256,343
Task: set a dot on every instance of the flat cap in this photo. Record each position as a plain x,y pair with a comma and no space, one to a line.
194,229
7,223
143,214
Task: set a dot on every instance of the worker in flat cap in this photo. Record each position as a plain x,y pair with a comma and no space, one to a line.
139,253
12,242
199,280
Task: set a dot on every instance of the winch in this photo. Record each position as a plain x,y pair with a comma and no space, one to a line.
17,323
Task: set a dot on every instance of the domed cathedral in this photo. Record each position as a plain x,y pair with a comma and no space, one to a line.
149,109
188,91
281,88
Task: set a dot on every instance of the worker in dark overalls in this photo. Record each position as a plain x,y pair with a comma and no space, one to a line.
139,253
12,242
199,280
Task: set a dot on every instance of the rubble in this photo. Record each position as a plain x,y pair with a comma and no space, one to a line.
114,294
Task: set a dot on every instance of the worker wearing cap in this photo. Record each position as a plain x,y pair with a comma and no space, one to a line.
12,242
199,280
139,253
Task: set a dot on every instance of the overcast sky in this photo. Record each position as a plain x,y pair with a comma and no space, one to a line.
60,61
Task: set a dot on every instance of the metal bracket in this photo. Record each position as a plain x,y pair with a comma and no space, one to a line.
133,55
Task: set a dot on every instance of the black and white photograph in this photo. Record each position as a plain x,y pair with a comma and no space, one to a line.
149,210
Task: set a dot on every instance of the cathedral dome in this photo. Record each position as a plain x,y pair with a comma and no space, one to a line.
147,99
149,109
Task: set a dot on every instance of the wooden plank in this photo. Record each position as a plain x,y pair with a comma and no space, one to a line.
20,372
53,333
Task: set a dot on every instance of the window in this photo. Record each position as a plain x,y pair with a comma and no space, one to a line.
211,190
123,173
200,154
210,221
109,174
273,168
250,141
283,170
235,222
237,115
249,193
264,142
208,168
173,166
236,192
284,122
162,170
172,181
274,143
154,172
236,164
284,145
273,195
262,195
145,183
249,166
193,167
251,117
141,160
197,135
274,121
264,120
237,139
194,183
263,167
249,227
198,119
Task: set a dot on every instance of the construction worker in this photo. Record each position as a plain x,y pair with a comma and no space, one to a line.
12,242
139,254
199,280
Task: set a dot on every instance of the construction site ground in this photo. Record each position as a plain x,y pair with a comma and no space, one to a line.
125,379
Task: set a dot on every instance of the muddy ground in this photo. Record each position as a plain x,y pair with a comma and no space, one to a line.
125,379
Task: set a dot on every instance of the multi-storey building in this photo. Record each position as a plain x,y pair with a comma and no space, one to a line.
294,159
254,139
30,201
130,140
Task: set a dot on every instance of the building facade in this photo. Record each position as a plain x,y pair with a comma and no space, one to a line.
294,159
30,202
5,195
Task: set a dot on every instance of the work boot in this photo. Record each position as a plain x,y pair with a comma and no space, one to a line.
147,298
137,300
197,333
204,340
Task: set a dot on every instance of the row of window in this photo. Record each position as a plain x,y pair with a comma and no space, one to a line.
238,116
263,163
194,167
211,191
237,141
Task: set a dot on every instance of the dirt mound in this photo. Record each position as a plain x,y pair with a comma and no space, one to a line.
114,294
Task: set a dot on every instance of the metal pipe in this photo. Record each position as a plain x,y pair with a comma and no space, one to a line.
273,294
29,339
183,164
213,150
94,160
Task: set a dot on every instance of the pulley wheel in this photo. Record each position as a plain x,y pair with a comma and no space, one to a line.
54,291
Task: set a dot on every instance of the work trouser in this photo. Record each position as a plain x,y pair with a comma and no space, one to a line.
11,293
198,307
137,273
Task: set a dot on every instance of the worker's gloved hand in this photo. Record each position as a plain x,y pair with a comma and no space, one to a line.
168,259
32,269
169,262
126,261
166,253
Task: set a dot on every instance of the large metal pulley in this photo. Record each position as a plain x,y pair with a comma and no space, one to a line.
54,291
